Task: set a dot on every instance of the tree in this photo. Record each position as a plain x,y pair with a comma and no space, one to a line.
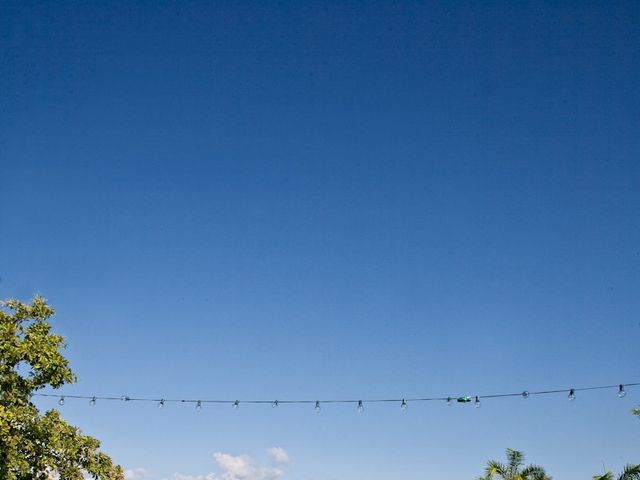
512,470
34,445
630,472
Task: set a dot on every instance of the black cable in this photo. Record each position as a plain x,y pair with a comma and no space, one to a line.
525,393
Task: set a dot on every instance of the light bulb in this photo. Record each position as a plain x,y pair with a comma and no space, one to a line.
274,404
621,391
317,408
199,405
525,394
92,402
161,403
360,406
477,402
572,395
403,405
449,401
125,398
236,405
61,401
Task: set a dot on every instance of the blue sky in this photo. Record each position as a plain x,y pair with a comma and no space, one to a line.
338,199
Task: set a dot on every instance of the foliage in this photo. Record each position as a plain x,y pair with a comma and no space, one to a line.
630,472
513,469
34,445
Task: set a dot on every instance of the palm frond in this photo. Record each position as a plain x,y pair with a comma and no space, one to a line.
604,476
515,458
534,472
495,468
630,472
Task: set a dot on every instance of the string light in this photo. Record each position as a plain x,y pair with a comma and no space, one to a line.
622,390
477,402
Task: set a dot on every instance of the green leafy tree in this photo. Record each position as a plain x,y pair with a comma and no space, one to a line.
35,446
630,472
514,469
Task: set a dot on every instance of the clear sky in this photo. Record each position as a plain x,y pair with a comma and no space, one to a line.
337,199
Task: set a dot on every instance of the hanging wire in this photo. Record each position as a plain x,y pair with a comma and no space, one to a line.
571,393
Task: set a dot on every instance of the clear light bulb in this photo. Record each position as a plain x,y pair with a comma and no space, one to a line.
403,405
61,401
199,405
274,404
317,408
572,395
125,398
621,392
525,394
236,405
449,401
360,406
161,403
92,402
478,404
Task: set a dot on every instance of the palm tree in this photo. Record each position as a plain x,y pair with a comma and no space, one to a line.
630,472
513,469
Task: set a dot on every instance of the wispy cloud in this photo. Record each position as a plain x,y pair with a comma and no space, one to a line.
179,476
240,467
243,467
278,454
136,474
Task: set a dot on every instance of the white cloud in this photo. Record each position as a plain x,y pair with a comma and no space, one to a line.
240,467
278,454
136,474
179,476
243,467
